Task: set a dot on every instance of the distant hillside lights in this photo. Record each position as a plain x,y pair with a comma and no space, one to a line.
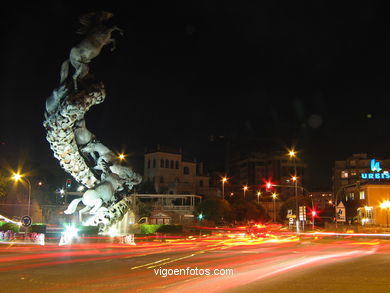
375,167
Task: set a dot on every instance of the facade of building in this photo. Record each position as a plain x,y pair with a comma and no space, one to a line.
171,208
321,200
369,199
349,172
256,168
172,173
362,183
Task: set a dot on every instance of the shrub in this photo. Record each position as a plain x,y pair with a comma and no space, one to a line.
9,226
149,228
172,229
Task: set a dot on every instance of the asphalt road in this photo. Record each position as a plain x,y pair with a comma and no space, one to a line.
207,265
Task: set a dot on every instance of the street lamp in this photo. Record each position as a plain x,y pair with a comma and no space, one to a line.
223,180
258,195
18,177
121,157
274,195
292,155
245,188
386,205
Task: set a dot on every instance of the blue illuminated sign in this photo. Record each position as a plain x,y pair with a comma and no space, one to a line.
375,167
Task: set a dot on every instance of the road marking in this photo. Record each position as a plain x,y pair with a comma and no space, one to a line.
151,263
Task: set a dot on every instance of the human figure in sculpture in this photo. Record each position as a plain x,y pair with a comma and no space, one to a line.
97,36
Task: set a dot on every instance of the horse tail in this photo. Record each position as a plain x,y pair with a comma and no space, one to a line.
72,206
64,70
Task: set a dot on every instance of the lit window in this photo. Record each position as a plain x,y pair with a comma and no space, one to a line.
344,174
351,195
362,195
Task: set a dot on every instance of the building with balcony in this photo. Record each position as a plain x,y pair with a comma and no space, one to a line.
171,172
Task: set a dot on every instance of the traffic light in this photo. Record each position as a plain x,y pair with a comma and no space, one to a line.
68,183
268,186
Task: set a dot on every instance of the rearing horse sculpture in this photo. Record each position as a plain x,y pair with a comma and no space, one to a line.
97,36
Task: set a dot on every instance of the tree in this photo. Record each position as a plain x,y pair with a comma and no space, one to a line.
248,210
214,210
146,187
144,208
3,185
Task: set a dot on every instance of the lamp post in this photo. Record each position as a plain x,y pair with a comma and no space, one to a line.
245,188
292,155
17,177
273,199
223,180
386,205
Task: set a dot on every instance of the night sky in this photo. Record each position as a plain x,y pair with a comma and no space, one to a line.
315,76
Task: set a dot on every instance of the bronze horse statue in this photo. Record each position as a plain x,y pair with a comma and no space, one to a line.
97,36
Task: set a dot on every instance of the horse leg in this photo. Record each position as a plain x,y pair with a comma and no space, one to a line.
115,28
98,203
83,211
81,72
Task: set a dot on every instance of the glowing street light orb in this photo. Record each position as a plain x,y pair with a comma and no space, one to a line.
294,178
274,195
245,188
121,157
385,204
291,153
17,176
224,179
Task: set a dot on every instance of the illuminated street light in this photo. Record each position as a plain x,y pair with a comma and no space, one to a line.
245,188
223,180
386,205
18,177
121,157
274,195
292,153
258,195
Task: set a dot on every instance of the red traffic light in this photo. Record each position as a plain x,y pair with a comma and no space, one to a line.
268,185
